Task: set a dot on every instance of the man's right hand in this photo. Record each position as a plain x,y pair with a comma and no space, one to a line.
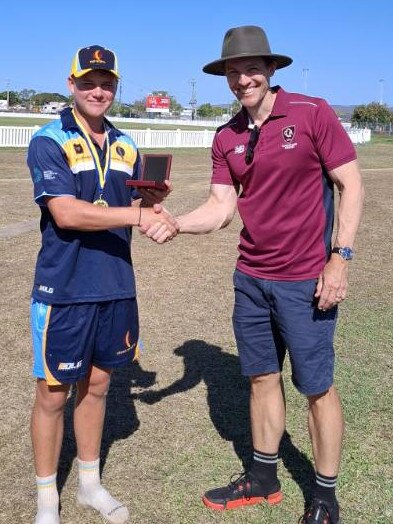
158,224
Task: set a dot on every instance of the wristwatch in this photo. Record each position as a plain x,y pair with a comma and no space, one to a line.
346,253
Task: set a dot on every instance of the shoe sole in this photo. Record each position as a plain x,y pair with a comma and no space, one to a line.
272,500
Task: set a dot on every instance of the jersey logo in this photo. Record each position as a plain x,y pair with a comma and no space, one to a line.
239,149
288,135
120,151
78,149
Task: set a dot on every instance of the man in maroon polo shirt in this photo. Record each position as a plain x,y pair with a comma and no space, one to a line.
277,162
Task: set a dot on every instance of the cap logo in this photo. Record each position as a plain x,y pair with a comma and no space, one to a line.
97,55
97,58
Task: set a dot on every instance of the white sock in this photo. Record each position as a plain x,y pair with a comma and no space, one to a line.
47,500
91,493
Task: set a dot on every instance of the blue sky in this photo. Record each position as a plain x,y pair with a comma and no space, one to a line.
342,51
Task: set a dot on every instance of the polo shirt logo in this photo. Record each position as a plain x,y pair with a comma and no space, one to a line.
288,133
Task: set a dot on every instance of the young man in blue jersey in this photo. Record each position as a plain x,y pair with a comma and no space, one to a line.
84,312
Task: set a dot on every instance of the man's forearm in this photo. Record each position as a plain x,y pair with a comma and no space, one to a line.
349,215
203,220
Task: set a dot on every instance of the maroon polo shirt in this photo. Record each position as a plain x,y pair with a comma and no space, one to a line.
286,199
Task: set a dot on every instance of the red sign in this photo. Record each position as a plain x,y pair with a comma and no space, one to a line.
159,104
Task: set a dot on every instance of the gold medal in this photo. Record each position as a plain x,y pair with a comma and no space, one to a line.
101,202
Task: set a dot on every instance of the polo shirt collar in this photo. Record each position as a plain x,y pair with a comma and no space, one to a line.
281,103
280,109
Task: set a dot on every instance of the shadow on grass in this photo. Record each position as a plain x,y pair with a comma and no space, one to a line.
121,419
228,399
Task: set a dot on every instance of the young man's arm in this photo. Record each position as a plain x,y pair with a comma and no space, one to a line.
73,213
333,281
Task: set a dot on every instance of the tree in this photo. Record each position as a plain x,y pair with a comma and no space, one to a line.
26,96
11,96
205,111
40,99
235,107
373,113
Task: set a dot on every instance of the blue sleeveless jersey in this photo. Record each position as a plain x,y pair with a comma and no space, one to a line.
77,266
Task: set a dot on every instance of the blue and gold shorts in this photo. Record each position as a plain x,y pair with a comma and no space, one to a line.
69,338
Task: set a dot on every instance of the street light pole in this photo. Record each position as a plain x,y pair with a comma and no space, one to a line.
8,94
193,101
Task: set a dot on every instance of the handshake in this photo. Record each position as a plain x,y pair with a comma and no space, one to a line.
157,223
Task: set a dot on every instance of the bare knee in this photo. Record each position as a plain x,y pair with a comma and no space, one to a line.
269,384
51,399
266,381
96,386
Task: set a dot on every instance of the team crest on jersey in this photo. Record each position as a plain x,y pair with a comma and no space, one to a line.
288,135
120,151
78,149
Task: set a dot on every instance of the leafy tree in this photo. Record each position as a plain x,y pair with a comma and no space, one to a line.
136,108
209,111
13,97
40,99
372,113
205,111
26,97
235,107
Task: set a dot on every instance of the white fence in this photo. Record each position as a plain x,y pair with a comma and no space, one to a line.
359,136
118,119
17,136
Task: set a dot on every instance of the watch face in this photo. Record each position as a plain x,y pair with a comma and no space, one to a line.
346,253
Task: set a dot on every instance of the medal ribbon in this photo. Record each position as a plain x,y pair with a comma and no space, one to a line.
100,172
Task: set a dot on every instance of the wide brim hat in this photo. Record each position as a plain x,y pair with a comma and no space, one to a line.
92,58
243,42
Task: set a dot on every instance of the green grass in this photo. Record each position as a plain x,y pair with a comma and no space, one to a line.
162,455
381,139
23,122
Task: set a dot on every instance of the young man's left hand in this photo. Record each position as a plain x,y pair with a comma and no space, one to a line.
151,196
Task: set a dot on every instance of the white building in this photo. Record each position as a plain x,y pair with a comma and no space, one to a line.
53,108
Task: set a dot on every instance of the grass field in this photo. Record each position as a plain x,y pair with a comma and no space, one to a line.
161,451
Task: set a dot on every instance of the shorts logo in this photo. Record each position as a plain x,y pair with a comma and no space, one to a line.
129,346
46,289
288,135
67,366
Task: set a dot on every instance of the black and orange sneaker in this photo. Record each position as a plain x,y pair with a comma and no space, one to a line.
321,512
244,491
